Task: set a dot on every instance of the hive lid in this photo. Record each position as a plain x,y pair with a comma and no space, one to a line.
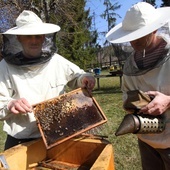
67,116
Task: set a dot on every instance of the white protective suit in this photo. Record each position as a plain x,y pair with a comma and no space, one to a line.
35,83
152,79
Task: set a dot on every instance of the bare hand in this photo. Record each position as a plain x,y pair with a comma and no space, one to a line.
158,105
19,106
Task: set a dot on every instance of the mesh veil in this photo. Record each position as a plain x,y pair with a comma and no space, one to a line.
12,50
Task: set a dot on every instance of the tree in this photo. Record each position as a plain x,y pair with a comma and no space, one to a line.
110,16
165,3
152,2
77,39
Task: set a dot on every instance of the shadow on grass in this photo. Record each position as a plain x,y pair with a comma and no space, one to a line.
107,90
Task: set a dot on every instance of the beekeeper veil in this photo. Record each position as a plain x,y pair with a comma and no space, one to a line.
28,23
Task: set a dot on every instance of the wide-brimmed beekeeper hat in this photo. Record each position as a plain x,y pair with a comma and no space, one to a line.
140,20
28,23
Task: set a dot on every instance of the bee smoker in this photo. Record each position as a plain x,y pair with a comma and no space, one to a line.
141,124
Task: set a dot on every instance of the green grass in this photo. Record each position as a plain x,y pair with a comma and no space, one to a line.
2,137
109,97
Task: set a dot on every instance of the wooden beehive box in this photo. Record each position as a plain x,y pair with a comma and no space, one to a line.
74,154
67,116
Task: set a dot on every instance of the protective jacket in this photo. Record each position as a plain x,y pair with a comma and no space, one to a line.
155,78
35,83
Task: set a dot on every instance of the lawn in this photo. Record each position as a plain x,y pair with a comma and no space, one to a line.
109,97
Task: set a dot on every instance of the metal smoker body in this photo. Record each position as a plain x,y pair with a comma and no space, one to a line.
136,122
141,123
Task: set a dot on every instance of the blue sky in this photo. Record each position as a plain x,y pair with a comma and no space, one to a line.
97,8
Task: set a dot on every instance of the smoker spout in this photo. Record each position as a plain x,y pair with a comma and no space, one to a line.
130,124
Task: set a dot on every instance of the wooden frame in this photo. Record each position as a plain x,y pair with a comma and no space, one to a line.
67,116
